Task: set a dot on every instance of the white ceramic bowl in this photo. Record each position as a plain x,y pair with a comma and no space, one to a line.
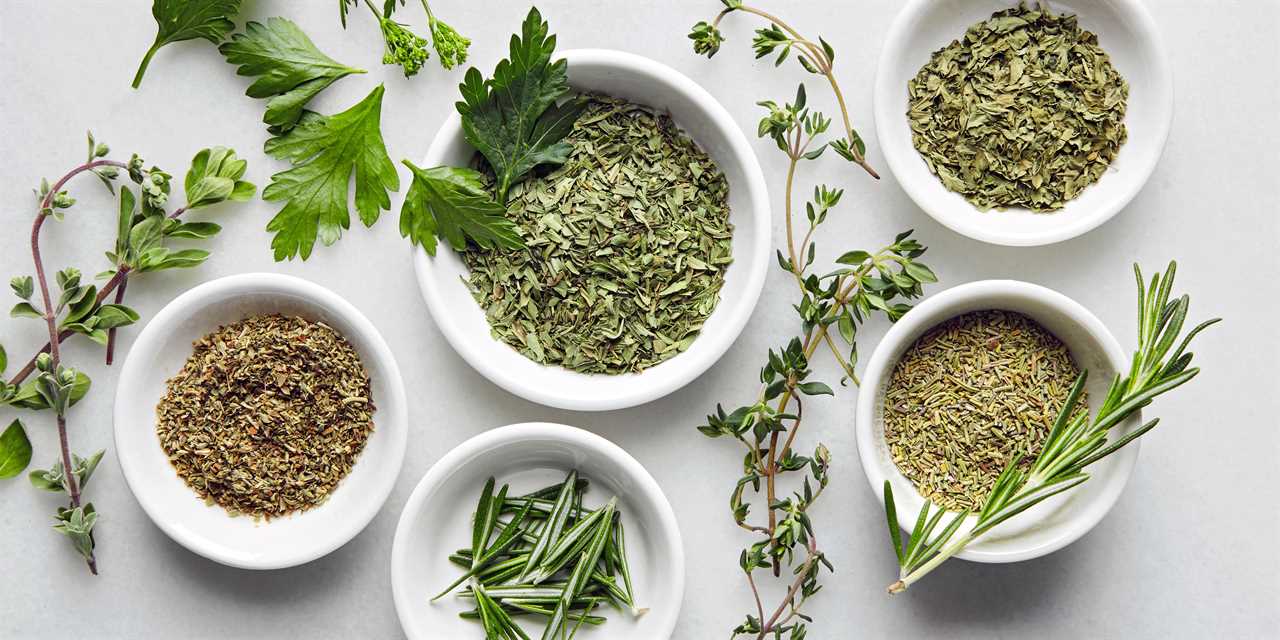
1056,522
159,353
437,521
646,82
1130,37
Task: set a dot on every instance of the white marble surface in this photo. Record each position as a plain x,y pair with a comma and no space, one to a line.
1188,551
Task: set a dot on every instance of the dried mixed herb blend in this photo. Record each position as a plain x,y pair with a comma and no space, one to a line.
968,396
1024,111
626,247
267,415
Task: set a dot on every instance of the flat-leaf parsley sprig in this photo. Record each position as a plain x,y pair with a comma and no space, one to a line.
179,20
1072,444
144,231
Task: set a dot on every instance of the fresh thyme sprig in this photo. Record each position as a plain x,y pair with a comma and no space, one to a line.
862,285
1072,444
817,58
144,228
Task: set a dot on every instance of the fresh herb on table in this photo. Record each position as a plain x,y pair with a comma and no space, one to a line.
178,20
406,48
1074,442
144,229
517,120
552,558
831,308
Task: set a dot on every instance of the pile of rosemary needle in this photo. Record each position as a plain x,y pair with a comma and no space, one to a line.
543,554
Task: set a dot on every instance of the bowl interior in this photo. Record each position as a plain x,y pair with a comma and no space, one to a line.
1059,520
160,352
437,522
462,320
1125,31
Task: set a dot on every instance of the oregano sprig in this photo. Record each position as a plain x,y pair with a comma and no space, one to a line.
1073,443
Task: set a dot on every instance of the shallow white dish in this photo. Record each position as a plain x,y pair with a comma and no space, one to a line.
159,353
436,522
1058,521
1125,31
644,81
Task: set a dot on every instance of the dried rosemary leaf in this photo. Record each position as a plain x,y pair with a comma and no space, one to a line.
968,396
267,415
627,244
1024,111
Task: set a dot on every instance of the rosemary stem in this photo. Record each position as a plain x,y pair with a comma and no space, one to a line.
933,563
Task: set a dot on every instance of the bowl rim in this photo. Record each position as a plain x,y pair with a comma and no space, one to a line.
468,452
391,418
928,314
753,258
1085,221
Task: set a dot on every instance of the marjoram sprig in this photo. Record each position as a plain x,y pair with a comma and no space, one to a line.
1072,444
144,230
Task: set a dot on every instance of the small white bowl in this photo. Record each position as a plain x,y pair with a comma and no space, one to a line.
1056,522
644,81
159,353
1125,31
437,521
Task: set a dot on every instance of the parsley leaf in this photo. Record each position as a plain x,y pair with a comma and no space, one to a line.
325,150
454,204
179,20
512,118
289,68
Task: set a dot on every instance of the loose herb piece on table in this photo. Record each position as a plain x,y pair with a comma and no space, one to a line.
831,308
406,48
144,231
968,396
178,20
267,415
552,558
517,120
1074,442
1024,111
627,245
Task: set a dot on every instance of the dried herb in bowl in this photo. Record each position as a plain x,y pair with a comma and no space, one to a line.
970,395
267,416
1025,110
626,242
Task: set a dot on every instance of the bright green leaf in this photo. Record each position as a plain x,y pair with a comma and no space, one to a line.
452,203
15,450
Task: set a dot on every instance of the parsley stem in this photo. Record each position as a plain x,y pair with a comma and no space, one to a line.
146,60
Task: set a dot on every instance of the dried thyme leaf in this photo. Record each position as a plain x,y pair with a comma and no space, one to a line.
626,247
1024,111
968,396
267,415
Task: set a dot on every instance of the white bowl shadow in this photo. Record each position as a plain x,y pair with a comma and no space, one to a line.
159,353
1129,35
1056,522
696,112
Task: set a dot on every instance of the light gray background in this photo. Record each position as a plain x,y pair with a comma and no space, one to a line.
1188,551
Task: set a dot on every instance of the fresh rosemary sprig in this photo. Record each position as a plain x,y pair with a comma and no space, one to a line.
144,229
863,284
1072,444
817,58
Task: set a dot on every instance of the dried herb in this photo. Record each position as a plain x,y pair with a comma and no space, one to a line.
970,395
626,247
1074,442
267,415
144,232
552,558
1024,111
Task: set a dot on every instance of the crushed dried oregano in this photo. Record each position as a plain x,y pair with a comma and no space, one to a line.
267,415
968,396
627,245
1024,111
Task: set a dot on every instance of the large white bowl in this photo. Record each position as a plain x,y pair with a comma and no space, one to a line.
437,521
159,353
1056,522
1125,31
644,81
